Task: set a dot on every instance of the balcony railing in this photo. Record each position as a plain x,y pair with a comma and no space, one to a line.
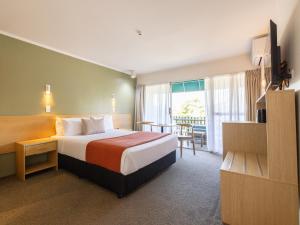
189,120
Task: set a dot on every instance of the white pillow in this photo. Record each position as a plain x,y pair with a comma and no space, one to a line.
108,122
92,126
99,124
72,126
68,126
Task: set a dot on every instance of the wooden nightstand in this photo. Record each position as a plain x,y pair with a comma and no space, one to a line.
35,147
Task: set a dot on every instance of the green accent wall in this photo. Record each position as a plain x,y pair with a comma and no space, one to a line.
78,87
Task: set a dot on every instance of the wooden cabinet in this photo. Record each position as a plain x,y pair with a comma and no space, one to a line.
259,180
29,148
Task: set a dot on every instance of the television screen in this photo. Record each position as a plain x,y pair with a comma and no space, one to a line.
275,56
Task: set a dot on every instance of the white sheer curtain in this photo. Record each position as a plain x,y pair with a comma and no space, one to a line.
139,107
225,101
157,104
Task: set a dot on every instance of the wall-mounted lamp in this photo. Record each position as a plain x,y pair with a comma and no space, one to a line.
47,89
48,98
113,103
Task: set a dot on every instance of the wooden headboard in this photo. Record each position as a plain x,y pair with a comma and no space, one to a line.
20,128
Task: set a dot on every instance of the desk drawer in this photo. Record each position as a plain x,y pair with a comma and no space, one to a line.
40,148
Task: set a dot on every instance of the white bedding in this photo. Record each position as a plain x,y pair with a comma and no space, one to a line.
133,158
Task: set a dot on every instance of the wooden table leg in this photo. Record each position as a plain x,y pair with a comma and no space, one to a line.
193,141
181,148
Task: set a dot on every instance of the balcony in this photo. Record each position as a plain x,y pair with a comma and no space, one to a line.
199,127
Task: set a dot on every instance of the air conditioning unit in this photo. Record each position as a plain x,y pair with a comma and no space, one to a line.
260,51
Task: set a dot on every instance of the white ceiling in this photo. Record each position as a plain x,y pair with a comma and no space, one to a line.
175,32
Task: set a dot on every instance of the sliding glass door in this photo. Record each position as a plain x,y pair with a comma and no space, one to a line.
188,107
205,104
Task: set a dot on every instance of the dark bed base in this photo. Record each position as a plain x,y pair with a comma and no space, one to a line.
116,182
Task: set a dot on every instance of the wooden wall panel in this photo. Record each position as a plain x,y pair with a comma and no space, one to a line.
282,144
249,200
20,128
244,137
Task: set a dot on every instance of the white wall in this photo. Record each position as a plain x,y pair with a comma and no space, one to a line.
281,15
222,66
290,44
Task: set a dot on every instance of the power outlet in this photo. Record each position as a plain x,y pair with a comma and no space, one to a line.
292,72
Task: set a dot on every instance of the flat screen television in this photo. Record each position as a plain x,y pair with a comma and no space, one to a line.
276,79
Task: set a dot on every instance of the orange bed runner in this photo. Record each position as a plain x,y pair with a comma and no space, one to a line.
108,152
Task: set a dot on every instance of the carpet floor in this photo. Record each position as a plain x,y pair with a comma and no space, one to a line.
187,193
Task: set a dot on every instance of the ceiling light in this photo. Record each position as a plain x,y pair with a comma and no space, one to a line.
133,74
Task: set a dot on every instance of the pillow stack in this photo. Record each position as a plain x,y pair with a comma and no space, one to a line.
83,126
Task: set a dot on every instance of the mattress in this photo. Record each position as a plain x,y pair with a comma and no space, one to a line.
133,158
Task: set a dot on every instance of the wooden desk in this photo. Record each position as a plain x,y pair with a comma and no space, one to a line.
259,180
142,123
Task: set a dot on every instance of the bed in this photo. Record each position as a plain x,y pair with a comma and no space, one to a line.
138,164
